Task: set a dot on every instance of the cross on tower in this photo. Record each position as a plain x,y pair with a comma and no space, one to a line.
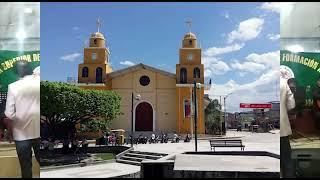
98,24
189,23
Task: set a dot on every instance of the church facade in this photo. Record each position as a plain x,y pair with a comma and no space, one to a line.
166,100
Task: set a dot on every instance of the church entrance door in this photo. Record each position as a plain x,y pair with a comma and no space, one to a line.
144,117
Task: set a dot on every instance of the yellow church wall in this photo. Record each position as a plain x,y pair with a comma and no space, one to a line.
183,124
166,111
123,121
164,82
122,82
160,93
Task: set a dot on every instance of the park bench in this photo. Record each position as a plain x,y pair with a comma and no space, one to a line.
226,143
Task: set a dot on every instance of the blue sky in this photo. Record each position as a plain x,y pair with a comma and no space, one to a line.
239,41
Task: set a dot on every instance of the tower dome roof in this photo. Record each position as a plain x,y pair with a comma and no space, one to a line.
97,35
190,35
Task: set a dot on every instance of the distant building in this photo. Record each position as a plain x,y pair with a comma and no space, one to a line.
232,121
274,113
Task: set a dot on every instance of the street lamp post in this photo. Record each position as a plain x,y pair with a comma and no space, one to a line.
225,112
137,98
196,86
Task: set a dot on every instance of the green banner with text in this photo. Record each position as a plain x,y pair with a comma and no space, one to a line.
7,65
304,68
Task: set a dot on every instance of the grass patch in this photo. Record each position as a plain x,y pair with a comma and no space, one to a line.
106,156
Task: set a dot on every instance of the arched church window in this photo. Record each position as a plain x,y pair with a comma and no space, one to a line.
85,72
196,72
99,75
95,41
190,42
183,75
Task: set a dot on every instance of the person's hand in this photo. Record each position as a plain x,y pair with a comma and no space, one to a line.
10,136
8,124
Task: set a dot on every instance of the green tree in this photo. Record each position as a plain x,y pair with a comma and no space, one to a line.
64,105
212,120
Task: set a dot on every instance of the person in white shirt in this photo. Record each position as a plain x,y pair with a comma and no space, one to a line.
287,102
23,112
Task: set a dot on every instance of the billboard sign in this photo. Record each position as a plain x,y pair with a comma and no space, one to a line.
256,106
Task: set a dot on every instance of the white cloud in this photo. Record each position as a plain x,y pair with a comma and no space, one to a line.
261,90
75,28
71,57
257,63
273,37
213,66
277,7
248,67
213,51
272,6
127,63
246,30
269,59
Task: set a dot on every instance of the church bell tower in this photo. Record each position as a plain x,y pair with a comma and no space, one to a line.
189,70
96,60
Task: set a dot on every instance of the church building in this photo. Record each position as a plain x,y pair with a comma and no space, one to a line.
162,101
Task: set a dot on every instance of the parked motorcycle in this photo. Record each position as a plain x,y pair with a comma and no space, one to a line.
153,139
142,140
164,138
175,139
188,138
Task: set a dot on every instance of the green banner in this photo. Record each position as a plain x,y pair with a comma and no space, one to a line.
7,69
305,69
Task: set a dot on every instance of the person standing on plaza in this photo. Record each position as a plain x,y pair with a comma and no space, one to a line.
23,113
287,102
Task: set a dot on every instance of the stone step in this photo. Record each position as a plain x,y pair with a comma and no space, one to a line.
128,162
144,156
132,158
136,157
149,153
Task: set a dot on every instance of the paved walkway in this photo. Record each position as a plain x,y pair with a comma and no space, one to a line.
226,163
93,171
269,142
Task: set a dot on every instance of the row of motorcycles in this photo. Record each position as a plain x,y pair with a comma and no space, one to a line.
157,138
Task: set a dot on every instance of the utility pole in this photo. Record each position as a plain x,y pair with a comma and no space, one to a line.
195,116
225,112
220,117
225,117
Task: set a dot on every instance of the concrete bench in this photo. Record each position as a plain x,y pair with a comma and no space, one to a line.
226,143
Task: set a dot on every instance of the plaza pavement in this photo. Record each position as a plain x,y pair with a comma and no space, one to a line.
106,170
269,142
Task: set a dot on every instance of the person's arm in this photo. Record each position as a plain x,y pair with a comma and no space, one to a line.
10,111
